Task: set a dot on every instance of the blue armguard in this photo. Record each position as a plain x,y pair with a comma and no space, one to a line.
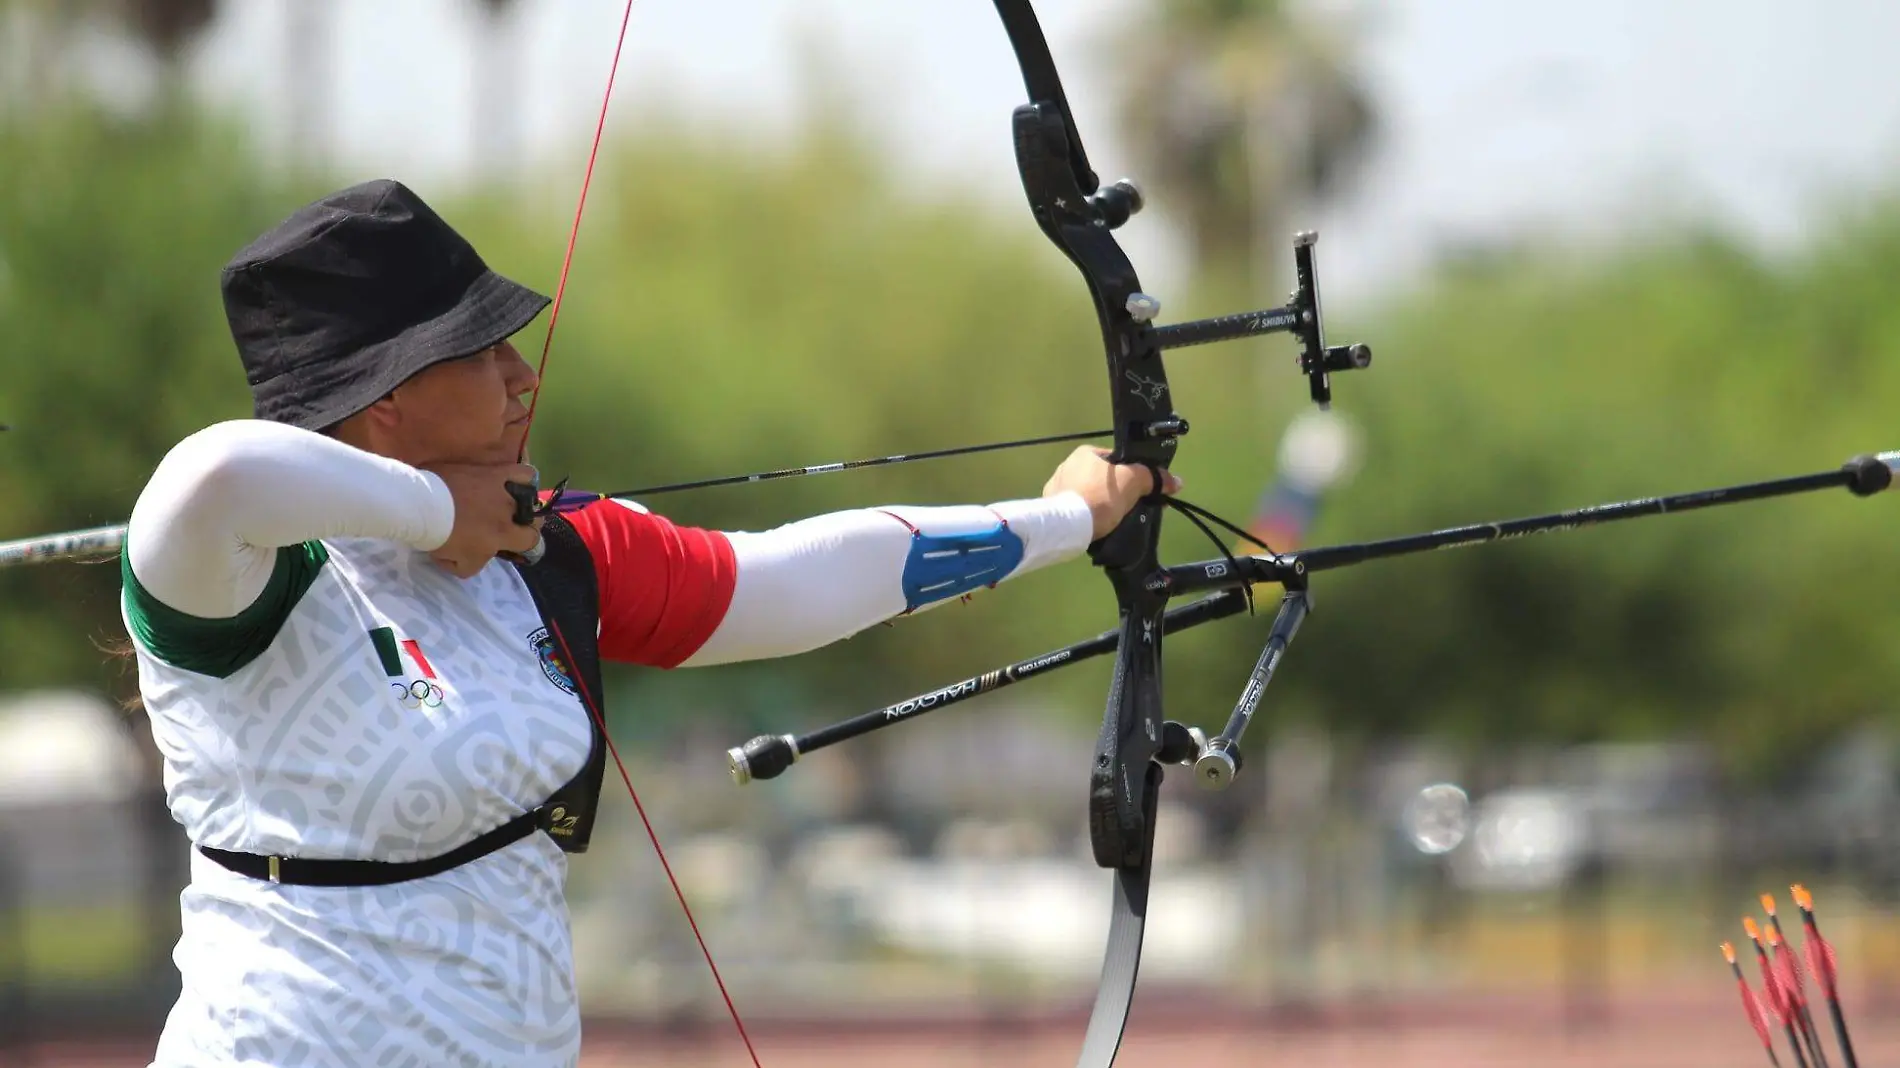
944,566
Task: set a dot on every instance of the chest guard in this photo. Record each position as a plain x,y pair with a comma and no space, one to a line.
565,590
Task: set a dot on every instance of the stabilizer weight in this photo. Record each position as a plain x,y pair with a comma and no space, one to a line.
764,757
1218,764
1867,475
1180,744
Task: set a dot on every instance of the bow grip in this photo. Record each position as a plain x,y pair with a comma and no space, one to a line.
1123,546
1134,538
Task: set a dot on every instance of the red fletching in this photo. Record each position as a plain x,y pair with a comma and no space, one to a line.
1789,976
1772,990
1778,1000
1750,1007
1821,960
1756,1018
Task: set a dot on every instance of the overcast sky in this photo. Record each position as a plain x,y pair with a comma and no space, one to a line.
1578,118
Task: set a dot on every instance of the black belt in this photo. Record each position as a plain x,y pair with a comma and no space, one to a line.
298,871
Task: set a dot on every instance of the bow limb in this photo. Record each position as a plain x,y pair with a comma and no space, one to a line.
1079,216
1125,777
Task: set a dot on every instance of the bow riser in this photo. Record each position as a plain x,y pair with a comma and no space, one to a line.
1146,431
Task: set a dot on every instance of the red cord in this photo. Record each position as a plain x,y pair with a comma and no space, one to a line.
580,687
574,232
554,317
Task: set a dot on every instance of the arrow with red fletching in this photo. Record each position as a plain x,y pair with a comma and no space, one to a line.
1822,963
1752,1007
1780,1002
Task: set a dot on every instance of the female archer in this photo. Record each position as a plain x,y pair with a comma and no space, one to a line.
376,716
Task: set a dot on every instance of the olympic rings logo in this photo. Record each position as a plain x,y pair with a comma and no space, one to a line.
421,693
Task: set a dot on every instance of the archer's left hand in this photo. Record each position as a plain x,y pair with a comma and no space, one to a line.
1111,490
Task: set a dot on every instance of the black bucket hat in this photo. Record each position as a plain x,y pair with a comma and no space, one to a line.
340,303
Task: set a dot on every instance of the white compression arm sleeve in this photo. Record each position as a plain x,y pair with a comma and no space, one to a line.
817,581
204,535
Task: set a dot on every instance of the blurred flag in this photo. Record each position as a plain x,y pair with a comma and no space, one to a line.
1318,451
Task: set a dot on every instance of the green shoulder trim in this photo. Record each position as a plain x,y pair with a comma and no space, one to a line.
219,647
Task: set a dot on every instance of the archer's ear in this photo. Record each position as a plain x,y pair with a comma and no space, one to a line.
385,411
382,416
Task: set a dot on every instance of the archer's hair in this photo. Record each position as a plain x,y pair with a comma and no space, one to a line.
119,647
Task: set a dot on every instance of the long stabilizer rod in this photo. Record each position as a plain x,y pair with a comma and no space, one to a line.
1864,476
770,755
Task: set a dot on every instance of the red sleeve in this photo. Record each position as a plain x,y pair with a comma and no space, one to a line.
663,587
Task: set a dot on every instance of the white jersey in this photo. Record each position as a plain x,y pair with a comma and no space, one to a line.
319,688
390,712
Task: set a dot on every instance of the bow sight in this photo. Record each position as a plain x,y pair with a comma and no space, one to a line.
1215,761
1300,315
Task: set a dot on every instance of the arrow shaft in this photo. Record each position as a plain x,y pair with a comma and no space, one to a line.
97,541
104,541
854,465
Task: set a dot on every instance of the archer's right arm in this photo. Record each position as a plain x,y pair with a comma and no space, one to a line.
229,503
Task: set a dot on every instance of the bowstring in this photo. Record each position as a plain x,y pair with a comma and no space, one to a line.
593,707
1196,514
547,345
574,231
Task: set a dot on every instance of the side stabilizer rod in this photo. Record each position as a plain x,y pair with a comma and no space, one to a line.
768,755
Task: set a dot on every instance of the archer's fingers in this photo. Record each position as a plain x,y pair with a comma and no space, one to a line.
522,539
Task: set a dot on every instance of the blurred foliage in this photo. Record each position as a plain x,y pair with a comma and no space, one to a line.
735,308
1531,386
1241,113
111,236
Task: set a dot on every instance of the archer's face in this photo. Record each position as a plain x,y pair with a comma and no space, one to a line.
460,411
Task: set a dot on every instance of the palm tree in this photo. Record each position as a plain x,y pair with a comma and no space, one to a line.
168,28
48,29
306,75
1241,112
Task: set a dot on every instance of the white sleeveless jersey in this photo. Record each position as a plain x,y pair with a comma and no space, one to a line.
368,706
